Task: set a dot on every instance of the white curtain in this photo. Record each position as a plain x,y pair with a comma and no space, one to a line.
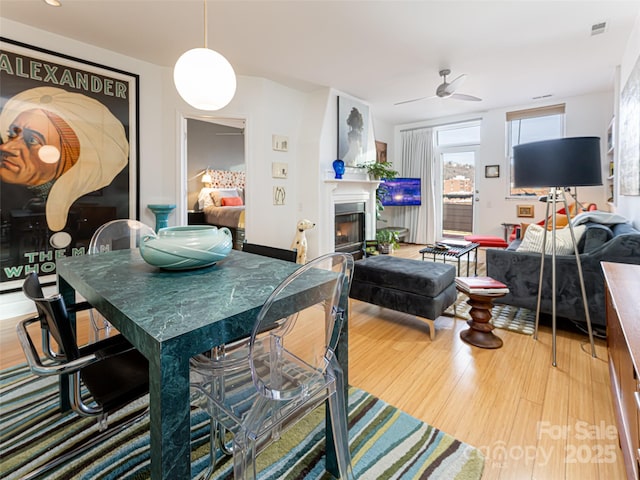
418,161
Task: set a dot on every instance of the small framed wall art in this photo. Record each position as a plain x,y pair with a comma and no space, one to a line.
492,171
279,170
280,143
279,194
525,211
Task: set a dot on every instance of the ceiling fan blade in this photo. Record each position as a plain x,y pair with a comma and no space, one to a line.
462,96
455,84
413,100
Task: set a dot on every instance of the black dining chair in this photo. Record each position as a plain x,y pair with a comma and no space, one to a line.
112,370
273,252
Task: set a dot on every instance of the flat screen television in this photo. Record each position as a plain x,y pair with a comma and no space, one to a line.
400,192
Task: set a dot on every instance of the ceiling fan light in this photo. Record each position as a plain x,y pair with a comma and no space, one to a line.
204,79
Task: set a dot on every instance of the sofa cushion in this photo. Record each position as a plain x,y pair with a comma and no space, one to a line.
594,236
532,241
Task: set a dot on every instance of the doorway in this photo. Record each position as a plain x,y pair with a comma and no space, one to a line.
458,187
208,143
457,147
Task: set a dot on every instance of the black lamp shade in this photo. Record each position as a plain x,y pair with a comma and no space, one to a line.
565,162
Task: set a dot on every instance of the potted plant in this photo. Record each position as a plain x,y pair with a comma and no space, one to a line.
387,240
378,171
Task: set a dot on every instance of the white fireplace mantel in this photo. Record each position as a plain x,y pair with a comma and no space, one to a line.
352,188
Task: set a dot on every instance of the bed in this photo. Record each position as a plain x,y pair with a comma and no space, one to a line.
231,217
223,206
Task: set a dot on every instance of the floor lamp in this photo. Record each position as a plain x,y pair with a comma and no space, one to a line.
557,164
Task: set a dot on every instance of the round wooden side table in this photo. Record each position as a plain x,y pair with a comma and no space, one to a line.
480,332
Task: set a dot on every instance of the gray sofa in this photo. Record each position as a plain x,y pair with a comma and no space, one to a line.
600,243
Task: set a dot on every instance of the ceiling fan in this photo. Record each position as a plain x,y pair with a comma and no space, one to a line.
447,90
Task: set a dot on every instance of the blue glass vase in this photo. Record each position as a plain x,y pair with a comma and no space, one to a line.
338,167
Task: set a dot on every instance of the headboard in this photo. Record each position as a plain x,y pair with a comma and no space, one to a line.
227,179
222,180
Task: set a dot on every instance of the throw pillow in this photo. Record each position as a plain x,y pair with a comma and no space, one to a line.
532,241
561,221
218,193
204,198
231,201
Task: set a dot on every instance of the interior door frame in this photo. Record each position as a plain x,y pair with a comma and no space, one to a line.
181,173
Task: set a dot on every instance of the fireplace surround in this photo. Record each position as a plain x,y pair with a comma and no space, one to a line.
350,227
354,188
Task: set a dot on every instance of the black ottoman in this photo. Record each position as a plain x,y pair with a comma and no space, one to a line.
425,289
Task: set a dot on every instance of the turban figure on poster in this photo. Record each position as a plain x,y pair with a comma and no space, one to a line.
61,146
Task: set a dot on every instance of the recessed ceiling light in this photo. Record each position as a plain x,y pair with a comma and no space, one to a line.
53,3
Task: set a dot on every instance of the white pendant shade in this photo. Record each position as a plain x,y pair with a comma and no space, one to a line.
204,79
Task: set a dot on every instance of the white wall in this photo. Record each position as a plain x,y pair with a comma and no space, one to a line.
586,115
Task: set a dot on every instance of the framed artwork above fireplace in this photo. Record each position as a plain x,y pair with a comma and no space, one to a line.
353,131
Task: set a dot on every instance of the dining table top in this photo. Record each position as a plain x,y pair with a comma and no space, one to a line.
158,306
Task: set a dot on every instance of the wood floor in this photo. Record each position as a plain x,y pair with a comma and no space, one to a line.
531,420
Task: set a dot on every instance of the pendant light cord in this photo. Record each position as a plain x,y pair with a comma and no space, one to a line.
205,23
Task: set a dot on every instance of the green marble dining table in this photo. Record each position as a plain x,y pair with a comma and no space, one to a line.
170,316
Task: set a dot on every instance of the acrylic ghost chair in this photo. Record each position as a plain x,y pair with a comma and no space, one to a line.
120,234
287,368
113,372
230,349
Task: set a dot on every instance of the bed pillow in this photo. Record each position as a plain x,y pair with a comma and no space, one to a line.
218,193
532,241
204,198
231,201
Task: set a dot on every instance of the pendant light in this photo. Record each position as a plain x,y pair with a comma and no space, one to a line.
204,78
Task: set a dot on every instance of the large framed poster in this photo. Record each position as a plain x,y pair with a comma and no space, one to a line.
68,157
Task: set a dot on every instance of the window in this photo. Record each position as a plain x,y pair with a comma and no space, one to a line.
458,134
532,125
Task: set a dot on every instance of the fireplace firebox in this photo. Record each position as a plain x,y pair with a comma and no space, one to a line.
350,228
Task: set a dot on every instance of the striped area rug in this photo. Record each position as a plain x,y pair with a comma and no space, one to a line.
385,442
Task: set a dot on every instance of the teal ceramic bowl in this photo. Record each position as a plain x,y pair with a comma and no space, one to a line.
184,248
